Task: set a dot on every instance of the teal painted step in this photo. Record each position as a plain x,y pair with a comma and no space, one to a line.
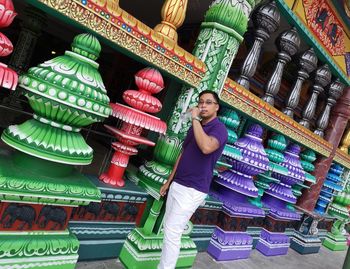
254,232
104,239
100,240
201,243
305,244
201,235
202,231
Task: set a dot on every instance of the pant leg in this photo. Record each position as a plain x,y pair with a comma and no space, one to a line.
181,204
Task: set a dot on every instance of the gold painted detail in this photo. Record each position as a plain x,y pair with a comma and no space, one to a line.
345,144
107,19
251,105
342,158
173,15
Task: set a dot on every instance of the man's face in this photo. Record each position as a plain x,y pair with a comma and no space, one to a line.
208,106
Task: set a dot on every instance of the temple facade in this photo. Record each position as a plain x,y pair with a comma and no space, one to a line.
93,116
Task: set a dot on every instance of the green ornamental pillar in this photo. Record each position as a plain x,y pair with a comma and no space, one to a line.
336,240
217,45
38,183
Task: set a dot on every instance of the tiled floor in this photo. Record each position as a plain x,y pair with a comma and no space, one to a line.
325,259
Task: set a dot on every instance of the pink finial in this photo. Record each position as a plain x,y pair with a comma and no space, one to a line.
7,13
149,81
6,46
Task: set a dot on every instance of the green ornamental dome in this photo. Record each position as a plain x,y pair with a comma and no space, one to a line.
66,93
228,14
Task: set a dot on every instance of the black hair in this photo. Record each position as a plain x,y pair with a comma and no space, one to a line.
214,94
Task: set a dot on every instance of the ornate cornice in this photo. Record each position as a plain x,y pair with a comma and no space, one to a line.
342,158
126,33
252,106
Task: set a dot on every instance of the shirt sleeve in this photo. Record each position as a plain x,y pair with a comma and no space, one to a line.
220,133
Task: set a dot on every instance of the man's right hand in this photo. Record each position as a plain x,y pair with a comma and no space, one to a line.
164,188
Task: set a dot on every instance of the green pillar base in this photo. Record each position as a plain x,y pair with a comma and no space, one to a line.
44,250
151,186
27,179
142,251
335,242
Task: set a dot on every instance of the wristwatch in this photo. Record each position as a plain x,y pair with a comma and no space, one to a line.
197,118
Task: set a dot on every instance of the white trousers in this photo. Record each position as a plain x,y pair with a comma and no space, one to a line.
181,203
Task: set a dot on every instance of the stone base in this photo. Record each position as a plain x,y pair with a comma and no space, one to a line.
305,244
226,246
273,244
142,251
335,242
44,250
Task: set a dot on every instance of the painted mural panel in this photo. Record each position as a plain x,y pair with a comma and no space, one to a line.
323,22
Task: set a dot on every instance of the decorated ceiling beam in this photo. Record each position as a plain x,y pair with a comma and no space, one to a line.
253,107
323,32
342,158
125,33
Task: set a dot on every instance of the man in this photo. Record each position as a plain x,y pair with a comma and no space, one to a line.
192,173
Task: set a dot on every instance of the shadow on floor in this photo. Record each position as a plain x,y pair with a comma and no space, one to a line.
325,259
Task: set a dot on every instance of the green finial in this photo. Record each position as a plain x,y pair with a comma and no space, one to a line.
66,93
226,13
86,45
308,155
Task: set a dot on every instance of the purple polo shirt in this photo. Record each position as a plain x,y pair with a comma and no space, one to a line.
195,169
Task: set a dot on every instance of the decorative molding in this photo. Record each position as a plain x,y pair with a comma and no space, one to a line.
34,246
17,185
342,158
130,35
252,106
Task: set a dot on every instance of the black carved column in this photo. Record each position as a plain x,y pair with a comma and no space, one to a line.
322,78
307,64
287,44
335,90
31,27
266,20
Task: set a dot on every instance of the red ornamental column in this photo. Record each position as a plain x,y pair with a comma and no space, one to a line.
135,119
336,127
8,77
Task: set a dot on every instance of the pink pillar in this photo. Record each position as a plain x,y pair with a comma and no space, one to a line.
333,134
